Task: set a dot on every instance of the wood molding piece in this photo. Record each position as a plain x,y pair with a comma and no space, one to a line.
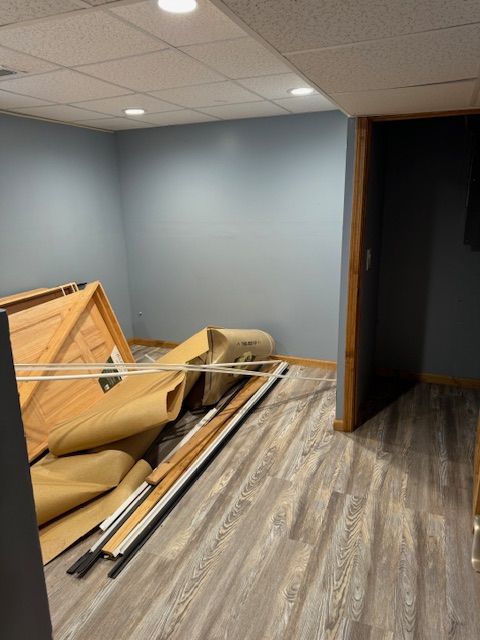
431,378
338,424
147,342
427,114
168,472
357,232
331,365
476,473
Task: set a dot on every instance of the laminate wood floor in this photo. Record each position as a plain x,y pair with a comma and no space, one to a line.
296,532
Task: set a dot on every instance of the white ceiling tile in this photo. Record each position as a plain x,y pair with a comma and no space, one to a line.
185,116
60,112
62,86
115,106
13,101
309,24
306,103
114,124
18,10
205,24
434,57
207,95
274,87
23,63
242,58
437,97
247,110
81,38
153,71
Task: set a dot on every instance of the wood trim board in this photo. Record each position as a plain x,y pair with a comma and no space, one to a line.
476,473
331,365
427,114
357,232
431,378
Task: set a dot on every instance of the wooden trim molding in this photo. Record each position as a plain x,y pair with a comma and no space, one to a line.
357,232
427,114
146,342
331,365
476,473
431,378
338,424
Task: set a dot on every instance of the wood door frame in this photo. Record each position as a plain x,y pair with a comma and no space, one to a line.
363,133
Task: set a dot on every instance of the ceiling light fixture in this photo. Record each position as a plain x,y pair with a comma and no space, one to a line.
301,91
134,111
177,6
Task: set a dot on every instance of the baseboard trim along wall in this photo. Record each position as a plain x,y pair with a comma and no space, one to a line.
331,365
432,378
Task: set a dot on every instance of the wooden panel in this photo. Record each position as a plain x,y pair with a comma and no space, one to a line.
476,473
80,327
360,182
26,299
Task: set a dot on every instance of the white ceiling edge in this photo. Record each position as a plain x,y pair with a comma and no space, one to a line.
28,116
249,31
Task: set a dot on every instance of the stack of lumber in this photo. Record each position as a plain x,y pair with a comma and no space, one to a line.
126,530
68,326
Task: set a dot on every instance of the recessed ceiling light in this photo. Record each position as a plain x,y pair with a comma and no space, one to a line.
301,91
177,6
134,111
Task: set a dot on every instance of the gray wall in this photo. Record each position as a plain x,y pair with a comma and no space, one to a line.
429,304
60,210
345,261
238,224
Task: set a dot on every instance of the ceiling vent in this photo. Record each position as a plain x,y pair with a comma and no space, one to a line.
7,72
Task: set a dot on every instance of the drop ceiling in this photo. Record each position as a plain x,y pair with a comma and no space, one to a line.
85,61
375,58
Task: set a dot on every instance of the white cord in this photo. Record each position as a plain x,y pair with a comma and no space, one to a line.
160,369
54,366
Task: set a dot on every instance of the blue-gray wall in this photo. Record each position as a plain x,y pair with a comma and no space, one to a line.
239,224
60,210
429,303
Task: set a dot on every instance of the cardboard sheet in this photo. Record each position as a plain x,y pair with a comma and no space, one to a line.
60,534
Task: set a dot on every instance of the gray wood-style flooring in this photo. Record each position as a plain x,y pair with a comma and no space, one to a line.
298,532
